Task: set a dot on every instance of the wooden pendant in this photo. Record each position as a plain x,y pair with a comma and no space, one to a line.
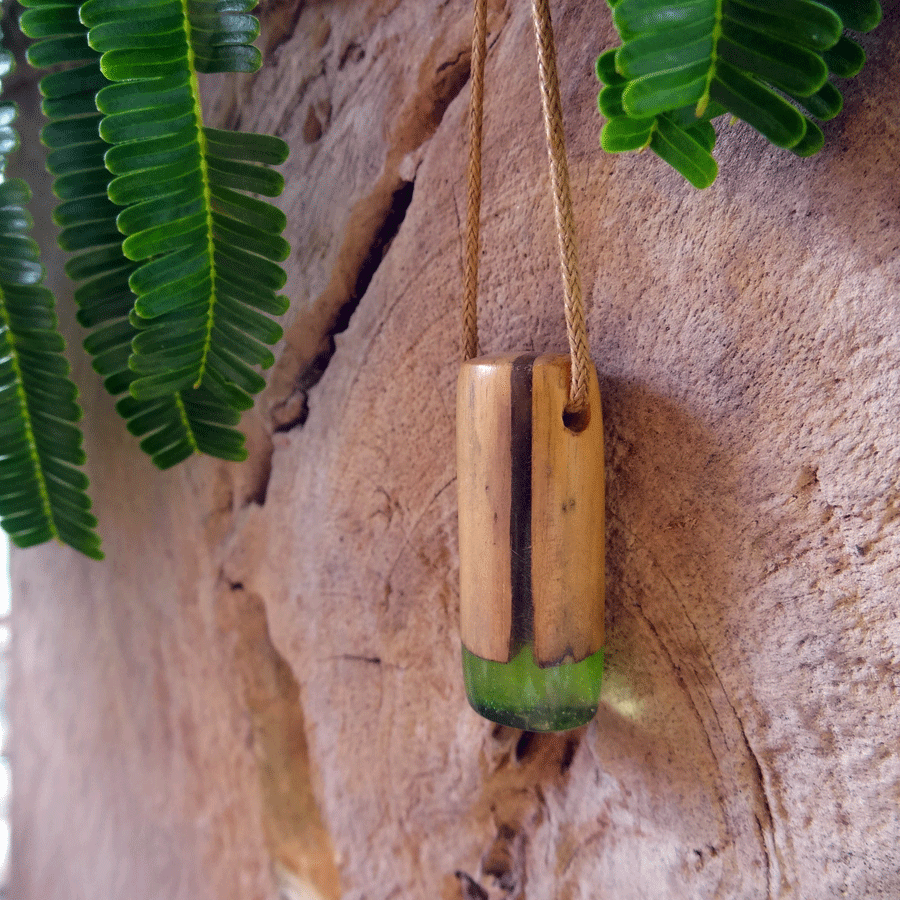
531,511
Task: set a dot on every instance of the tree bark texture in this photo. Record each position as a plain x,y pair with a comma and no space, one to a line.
258,693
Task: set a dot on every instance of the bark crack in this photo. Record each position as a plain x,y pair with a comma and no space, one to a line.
676,669
386,205
280,19
356,657
381,242
765,828
311,342
269,698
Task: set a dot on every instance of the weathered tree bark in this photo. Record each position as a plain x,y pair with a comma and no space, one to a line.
259,689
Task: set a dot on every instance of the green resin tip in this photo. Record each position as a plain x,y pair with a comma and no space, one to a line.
523,695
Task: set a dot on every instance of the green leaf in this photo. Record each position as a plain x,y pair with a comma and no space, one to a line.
144,32
94,262
846,58
81,185
91,234
811,142
151,213
58,50
635,17
227,59
258,148
74,158
160,239
684,153
683,62
761,107
134,125
803,22
130,96
71,105
244,176
825,104
678,48
218,30
249,210
50,21
96,12
181,186
606,68
87,79
66,132
857,15
248,320
151,154
41,490
772,60
623,134
609,101
658,92
128,65
158,159
249,237
157,182
702,132
237,266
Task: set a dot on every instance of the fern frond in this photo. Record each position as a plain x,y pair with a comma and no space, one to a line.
679,137
208,274
174,426
42,490
757,60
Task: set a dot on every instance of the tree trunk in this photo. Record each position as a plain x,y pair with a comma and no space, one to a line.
259,690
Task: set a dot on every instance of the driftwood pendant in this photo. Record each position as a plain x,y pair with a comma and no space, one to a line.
531,535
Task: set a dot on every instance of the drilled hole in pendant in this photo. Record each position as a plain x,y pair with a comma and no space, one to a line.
578,419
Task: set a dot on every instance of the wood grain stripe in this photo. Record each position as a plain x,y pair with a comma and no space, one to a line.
521,380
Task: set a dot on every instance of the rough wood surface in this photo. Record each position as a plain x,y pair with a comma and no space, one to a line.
266,641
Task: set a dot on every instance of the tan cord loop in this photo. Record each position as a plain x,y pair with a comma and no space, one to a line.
473,211
551,103
562,202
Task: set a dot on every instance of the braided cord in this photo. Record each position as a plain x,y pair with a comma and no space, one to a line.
551,103
576,326
473,209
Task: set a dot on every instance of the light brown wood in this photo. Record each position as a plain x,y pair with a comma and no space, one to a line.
531,511
483,428
567,519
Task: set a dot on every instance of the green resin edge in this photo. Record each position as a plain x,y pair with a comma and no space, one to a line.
520,694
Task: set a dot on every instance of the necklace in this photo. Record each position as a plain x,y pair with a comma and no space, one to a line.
530,475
